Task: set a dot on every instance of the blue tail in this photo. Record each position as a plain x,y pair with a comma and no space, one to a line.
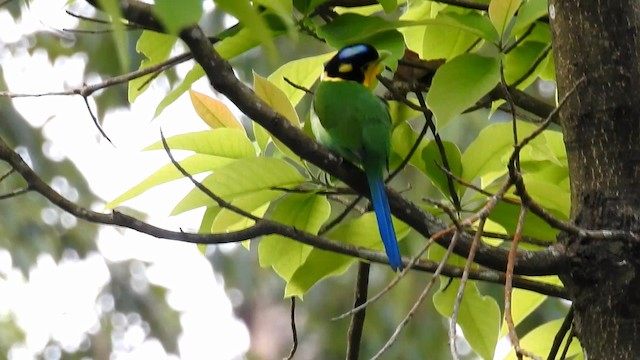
383,215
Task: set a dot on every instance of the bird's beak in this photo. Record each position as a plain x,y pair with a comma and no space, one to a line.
375,68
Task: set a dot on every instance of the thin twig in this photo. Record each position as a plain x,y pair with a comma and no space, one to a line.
443,154
14,193
566,347
354,337
560,335
533,66
393,338
411,152
524,36
461,287
95,120
7,174
508,286
396,279
294,331
299,87
220,201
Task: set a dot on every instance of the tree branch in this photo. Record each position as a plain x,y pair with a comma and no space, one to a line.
223,79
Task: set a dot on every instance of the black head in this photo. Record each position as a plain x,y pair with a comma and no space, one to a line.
352,62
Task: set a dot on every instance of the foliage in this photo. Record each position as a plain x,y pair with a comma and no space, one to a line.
251,169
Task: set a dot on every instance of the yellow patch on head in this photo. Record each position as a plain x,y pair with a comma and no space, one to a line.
345,68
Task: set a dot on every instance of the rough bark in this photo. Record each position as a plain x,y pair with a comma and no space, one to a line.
601,124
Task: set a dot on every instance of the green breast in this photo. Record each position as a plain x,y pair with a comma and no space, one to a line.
353,119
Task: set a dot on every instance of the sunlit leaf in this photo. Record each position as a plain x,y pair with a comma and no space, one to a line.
471,22
444,41
501,12
303,72
530,11
256,204
459,84
225,142
303,211
540,340
213,112
240,178
479,316
277,99
485,155
414,35
205,225
194,164
523,303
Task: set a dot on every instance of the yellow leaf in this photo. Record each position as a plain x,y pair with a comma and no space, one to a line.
275,97
214,112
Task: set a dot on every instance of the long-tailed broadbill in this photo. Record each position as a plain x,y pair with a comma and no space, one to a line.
355,123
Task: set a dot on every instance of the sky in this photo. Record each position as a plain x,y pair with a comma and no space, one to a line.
73,285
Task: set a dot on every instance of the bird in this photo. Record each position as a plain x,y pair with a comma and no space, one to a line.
349,119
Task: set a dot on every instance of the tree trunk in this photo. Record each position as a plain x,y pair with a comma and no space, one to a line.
600,40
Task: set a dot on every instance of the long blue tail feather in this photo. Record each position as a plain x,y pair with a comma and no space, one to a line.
383,215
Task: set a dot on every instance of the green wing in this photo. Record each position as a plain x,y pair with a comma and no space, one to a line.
352,121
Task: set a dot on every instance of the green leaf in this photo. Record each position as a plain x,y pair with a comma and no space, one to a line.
539,341
479,316
459,84
414,35
205,225
352,28
431,157
252,20
156,47
225,142
501,12
485,155
471,22
548,195
255,203
523,303
529,12
402,140
321,264
305,212
303,72
213,112
194,164
507,216
177,15
119,34
388,5
240,178
442,41
520,60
